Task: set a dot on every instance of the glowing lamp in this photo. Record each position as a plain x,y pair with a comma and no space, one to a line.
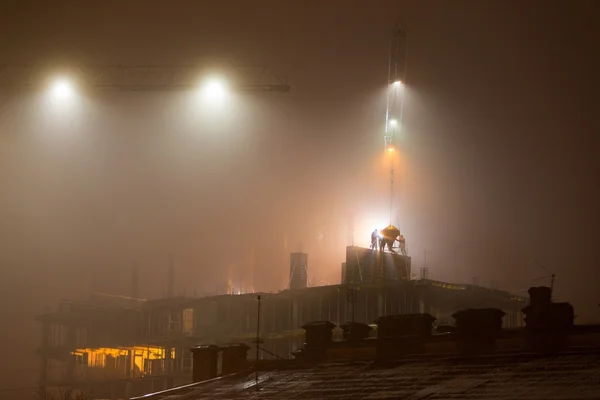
62,88
215,89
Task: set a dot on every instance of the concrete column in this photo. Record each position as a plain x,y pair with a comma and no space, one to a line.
128,389
45,334
295,314
71,336
71,368
129,364
168,361
43,373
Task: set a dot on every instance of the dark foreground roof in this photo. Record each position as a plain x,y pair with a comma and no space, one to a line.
566,376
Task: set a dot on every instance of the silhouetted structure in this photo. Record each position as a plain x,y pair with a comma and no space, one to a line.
116,344
369,266
478,360
542,315
298,271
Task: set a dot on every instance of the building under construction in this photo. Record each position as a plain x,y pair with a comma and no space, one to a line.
119,345
550,358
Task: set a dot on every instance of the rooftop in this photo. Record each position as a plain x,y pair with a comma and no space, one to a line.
571,375
550,358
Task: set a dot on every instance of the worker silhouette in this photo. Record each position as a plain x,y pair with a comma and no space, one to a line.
402,241
374,237
381,244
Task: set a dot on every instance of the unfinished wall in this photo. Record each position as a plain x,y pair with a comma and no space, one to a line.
372,266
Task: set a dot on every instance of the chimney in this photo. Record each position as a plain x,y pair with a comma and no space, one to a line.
477,330
547,323
234,358
204,362
540,297
544,315
318,333
318,338
401,335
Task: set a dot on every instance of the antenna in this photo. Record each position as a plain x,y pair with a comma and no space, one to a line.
258,298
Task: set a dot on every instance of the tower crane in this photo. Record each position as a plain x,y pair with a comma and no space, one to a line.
253,78
394,112
395,100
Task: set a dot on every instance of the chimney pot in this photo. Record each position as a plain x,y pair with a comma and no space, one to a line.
477,329
547,323
235,357
318,333
205,362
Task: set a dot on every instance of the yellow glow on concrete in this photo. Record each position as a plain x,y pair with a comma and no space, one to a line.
97,357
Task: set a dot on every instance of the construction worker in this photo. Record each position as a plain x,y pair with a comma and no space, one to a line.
374,237
381,243
402,241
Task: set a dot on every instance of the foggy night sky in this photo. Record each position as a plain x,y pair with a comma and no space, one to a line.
500,165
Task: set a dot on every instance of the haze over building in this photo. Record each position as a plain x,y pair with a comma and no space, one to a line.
109,195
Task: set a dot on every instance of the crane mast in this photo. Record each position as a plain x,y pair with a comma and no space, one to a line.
395,101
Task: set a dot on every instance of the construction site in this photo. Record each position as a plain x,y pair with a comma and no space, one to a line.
115,345
477,358
123,346
119,346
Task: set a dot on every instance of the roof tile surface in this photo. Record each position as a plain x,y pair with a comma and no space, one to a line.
574,376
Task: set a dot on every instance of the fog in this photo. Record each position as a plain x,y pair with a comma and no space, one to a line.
499,169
